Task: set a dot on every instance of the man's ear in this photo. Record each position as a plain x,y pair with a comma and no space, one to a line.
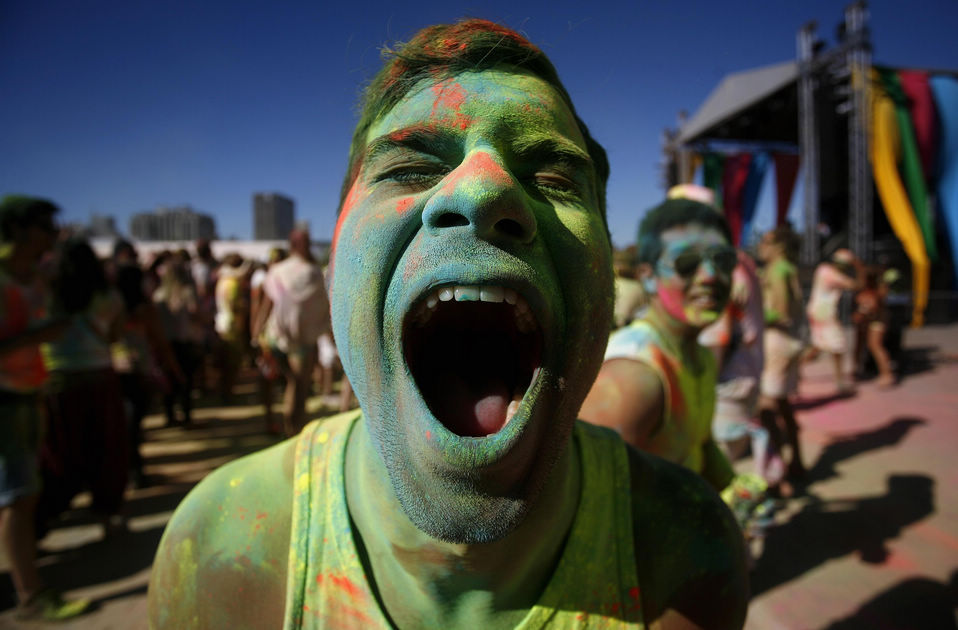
647,276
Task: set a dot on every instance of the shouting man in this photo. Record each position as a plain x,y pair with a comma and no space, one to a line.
471,299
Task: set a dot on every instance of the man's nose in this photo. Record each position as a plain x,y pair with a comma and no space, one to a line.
710,272
481,195
707,271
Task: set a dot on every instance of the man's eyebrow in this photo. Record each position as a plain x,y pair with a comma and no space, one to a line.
421,138
546,149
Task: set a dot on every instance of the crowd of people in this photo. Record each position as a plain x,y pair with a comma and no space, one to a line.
87,345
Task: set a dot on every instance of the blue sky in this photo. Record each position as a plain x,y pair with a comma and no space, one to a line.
118,107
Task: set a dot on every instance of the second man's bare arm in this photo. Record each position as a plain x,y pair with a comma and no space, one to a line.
627,396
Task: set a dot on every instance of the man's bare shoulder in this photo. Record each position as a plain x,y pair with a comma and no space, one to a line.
689,549
222,559
627,396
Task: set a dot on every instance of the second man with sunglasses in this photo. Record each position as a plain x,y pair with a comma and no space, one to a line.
657,384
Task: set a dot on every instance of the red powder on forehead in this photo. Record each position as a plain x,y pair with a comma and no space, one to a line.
450,96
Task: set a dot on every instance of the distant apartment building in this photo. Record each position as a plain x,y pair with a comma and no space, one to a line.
180,223
102,225
273,216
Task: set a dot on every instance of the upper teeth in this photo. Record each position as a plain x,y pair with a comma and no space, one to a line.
525,322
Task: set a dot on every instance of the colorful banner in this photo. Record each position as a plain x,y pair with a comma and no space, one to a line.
910,162
786,172
885,147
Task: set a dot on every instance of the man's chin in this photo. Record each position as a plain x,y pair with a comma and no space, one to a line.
463,504
462,516
707,318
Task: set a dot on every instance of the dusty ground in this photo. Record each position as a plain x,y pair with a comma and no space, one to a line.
872,544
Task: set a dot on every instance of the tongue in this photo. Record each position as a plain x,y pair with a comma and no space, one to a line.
490,411
472,406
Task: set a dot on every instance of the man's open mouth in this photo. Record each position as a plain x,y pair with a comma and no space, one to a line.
473,352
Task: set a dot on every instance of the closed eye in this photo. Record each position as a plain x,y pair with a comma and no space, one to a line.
556,183
556,167
418,175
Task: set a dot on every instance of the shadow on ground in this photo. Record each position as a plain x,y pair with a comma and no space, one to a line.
826,530
918,359
805,404
911,604
845,447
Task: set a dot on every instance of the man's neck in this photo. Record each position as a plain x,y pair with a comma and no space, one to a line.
425,582
682,335
776,257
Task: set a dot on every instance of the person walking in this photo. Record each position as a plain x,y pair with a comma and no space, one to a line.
843,272
177,304
27,233
782,297
292,314
86,443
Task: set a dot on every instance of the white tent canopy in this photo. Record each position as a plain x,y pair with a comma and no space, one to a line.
735,94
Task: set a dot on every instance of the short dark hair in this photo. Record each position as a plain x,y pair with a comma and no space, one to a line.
78,277
203,249
444,50
20,211
788,238
673,213
121,246
129,282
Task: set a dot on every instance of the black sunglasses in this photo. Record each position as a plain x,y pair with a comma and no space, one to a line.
723,259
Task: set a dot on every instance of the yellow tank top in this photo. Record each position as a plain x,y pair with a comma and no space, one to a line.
595,584
689,397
